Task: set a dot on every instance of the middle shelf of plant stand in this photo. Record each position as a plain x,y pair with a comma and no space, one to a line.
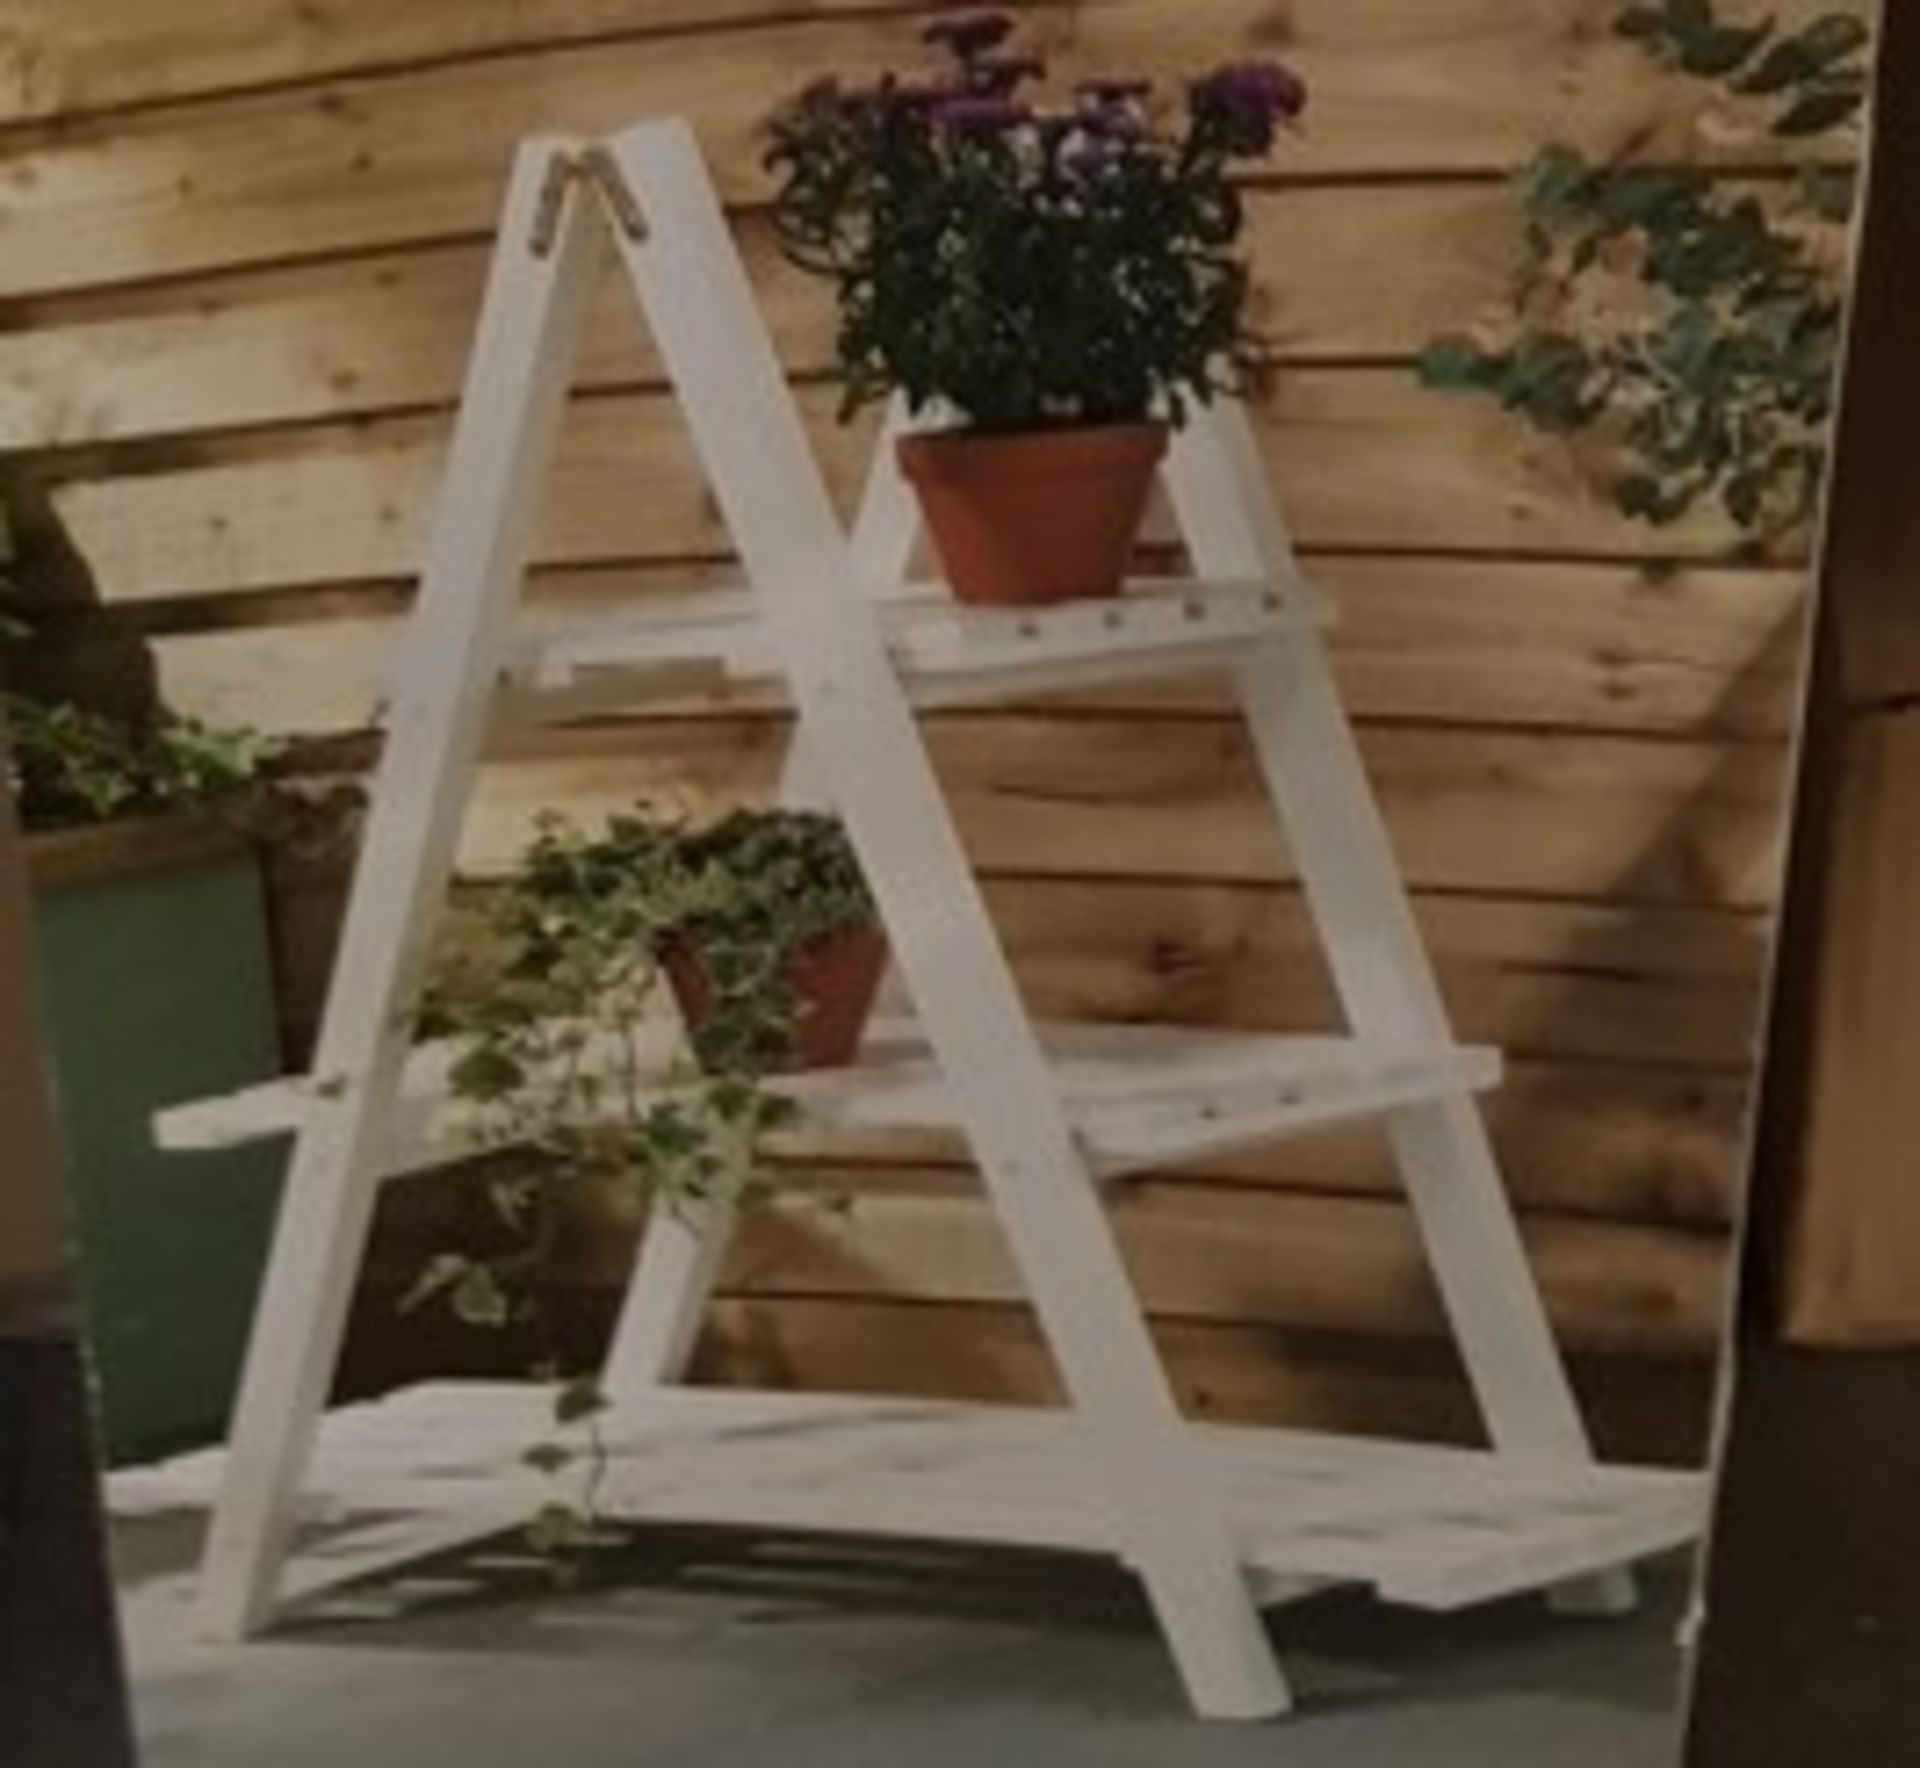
948,652
1138,1097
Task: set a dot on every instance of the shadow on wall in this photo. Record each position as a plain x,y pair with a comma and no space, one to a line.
70,651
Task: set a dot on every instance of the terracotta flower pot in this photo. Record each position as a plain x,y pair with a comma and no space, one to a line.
834,980
1043,517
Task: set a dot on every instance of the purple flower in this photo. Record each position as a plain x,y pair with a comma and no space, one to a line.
1248,100
970,35
971,115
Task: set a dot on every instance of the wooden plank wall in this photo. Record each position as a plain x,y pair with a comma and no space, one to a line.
243,245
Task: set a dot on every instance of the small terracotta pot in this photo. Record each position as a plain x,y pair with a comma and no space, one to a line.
834,980
1048,516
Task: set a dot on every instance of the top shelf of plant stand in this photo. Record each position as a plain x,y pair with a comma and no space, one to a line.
948,652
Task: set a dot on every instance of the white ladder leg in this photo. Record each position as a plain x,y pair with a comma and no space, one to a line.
1441,1148
1318,781
860,729
1387,990
436,727
680,1257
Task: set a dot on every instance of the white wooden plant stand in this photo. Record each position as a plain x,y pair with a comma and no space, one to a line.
1217,1522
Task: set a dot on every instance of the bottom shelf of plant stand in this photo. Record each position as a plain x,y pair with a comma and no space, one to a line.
432,1466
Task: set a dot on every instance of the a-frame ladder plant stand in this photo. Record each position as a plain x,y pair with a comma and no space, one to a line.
1217,1522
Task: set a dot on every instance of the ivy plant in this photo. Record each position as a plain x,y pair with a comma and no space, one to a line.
1691,323
550,1009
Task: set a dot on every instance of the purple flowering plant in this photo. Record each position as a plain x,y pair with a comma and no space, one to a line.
1029,265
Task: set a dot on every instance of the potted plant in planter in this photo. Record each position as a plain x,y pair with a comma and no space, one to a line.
156,982
158,848
761,929
777,955
1056,281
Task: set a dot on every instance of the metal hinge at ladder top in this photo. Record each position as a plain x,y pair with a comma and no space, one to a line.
599,171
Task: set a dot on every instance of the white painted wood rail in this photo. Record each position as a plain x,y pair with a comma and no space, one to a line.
1215,1522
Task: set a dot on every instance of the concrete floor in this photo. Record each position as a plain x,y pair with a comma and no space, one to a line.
732,1653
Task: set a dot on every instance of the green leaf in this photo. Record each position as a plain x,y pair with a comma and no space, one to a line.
1648,499
549,1458
478,1299
484,1073
1745,496
441,1274
557,1527
1556,186
1455,364
1785,64
1806,55
1547,377
1637,494
512,1198
1819,109
1639,196
1830,191
1688,340
578,1400
1834,35
1714,54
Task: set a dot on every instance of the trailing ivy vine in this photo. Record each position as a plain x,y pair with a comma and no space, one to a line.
1690,323
550,1004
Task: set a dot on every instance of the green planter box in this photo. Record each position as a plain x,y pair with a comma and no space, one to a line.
155,986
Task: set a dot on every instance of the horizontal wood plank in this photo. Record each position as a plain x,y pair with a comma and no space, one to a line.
1196,1251
1655,986
1506,812
1388,265
1344,1265
93,55
1639,1410
1419,86
1367,461
1704,653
